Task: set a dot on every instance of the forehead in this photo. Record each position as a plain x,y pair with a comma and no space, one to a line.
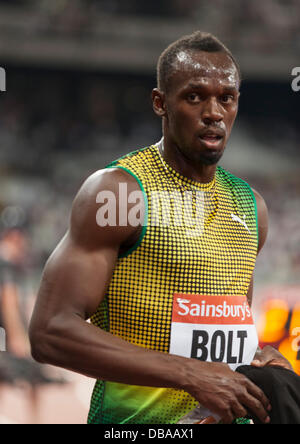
217,67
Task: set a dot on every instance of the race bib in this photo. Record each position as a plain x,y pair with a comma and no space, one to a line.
213,329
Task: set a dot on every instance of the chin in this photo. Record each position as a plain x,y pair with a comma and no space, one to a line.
210,158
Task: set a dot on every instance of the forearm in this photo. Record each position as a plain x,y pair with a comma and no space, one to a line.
11,314
72,343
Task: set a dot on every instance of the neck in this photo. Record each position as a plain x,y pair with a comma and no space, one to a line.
175,158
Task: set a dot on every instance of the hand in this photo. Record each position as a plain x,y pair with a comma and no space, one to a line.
226,393
269,356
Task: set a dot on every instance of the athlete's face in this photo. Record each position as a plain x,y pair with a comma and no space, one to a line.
200,105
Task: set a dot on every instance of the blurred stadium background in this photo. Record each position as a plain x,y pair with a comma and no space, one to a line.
79,75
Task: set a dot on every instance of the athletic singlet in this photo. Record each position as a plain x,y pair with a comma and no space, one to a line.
174,256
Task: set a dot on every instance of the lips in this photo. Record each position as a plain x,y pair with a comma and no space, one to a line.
212,138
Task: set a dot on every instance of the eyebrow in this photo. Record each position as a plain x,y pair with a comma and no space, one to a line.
226,88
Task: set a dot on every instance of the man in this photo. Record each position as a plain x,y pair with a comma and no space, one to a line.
159,288
13,335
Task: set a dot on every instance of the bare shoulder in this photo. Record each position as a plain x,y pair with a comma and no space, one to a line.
263,218
107,187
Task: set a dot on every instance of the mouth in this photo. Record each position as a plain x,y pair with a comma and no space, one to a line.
212,140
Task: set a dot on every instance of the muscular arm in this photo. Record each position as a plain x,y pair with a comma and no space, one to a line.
74,283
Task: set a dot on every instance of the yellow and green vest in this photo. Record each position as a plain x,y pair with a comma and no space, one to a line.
167,259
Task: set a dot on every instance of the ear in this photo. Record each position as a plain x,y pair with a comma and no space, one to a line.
159,102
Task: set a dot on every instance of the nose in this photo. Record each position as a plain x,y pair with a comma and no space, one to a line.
211,112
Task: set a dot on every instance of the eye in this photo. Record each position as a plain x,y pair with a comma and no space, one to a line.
193,97
227,98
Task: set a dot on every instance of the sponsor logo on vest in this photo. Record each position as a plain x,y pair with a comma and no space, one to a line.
205,310
240,221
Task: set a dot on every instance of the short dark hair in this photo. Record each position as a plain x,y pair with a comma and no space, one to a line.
198,41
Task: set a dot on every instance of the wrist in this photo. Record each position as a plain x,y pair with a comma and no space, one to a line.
193,372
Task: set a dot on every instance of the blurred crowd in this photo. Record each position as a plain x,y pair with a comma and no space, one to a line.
280,259
267,25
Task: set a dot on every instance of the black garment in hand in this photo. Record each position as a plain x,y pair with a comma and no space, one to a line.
282,388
